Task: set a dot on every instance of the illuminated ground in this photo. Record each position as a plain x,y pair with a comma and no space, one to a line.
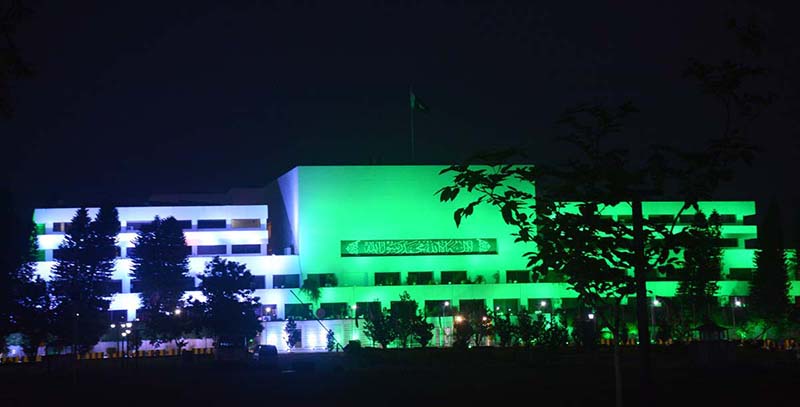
401,377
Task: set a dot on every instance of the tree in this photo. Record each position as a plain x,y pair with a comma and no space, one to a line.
228,311
81,275
293,334
504,329
403,316
330,341
160,268
769,288
311,288
379,327
702,264
31,313
529,330
422,330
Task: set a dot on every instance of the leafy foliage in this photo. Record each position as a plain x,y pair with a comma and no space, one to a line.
311,288
379,327
702,264
422,330
160,267
80,278
293,335
769,289
229,307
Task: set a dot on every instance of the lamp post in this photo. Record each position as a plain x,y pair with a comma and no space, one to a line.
441,329
736,303
656,303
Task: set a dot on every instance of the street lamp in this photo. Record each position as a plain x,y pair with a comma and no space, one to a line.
736,303
441,329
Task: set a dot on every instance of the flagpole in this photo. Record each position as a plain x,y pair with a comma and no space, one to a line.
411,96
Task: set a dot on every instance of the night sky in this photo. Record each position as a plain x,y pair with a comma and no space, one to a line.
135,98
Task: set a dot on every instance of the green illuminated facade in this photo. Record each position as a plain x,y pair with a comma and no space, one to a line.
382,230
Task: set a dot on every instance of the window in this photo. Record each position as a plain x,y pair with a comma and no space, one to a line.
553,277
246,249
286,281
58,254
454,277
540,304
298,311
332,310
245,223
419,277
130,251
258,282
325,279
117,316
187,284
269,312
365,309
505,305
728,242
387,278
185,224
742,274
62,227
518,276
211,224
661,218
437,308
112,287
472,307
209,250
132,226
403,308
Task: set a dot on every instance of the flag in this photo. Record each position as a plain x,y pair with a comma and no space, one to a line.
416,103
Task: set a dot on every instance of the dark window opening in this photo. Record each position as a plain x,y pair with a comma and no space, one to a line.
419,278
213,249
438,308
518,276
332,310
506,305
366,309
258,282
743,274
112,287
286,281
454,277
117,316
728,242
472,307
298,311
387,278
246,249
325,279
185,224
132,226
211,224
62,227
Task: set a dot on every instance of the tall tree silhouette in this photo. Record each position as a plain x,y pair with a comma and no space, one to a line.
160,268
80,279
769,288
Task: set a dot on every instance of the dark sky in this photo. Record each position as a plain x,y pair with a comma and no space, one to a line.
134,98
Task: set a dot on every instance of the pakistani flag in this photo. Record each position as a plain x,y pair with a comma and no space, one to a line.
416,103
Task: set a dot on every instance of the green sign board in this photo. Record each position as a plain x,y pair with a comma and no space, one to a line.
418,247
